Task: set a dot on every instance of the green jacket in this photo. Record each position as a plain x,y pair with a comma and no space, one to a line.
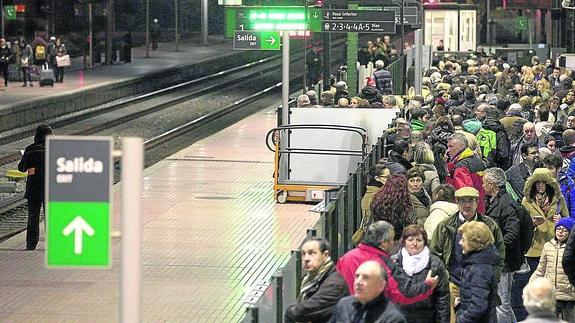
444,236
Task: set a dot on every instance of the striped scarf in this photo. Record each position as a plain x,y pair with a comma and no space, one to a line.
311,280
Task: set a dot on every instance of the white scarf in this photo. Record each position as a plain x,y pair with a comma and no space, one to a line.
416,263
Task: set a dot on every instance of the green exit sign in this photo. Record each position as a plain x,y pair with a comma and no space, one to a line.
271,18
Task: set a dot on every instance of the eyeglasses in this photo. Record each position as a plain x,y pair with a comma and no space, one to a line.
562,229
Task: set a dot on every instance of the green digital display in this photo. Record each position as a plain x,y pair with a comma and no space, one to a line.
270,18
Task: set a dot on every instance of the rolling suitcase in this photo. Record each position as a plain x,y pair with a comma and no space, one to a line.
46,76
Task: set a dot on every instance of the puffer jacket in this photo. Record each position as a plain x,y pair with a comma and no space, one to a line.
436,307
383,81
439,136
545,231
479,287
438,212
431,177
505,211
550,267
567,183
443,239
464,170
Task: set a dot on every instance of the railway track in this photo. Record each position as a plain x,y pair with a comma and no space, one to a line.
12,209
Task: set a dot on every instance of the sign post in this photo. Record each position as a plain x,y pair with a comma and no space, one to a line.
78,200
256,40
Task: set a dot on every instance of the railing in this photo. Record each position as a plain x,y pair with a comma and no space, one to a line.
398,72
338,221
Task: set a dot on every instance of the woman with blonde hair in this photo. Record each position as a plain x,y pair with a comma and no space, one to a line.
478,292
424,159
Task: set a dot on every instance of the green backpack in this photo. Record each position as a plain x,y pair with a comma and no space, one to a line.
487,140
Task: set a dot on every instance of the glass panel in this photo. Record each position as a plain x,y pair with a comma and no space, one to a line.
467,24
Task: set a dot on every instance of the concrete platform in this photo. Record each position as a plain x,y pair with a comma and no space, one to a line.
211,230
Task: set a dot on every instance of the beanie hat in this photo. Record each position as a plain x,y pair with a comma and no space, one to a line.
472,125
370,81
567,222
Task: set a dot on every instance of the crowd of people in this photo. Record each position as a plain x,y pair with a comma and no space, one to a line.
38,55
472,206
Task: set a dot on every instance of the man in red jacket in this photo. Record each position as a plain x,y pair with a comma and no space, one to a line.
376,244
464,168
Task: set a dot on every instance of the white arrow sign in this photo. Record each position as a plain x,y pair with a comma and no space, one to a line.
272,40
78,226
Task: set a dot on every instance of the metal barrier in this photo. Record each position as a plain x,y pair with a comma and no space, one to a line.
338,221
397,69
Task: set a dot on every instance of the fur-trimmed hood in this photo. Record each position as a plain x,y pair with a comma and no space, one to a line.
543,175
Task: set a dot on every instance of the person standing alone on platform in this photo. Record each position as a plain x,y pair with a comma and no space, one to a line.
5,57
155,34
59,51
33,163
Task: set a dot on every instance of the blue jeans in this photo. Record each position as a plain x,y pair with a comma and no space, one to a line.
505,311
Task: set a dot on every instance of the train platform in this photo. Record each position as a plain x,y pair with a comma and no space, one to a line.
76,78
211,231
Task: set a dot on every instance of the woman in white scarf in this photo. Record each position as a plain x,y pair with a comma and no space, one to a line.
413,264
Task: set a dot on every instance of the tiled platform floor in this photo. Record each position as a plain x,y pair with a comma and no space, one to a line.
211,230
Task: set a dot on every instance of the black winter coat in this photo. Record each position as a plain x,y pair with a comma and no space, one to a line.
479,287
517,175
5,55
506,212
436,307
371,94
395,157
319,307
569,258
33,158
379,310
501,155
439,136
383,81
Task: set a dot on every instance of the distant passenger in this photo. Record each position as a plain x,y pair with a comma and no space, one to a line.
327,99
322,286
303,101
155,33
312,95
33,163
382,78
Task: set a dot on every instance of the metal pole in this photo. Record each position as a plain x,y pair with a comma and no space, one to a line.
176,25
285,78
53,15
402,29
488,12
284,142
90,36
204,22
131,245
2,16
110,32
418,60
147,28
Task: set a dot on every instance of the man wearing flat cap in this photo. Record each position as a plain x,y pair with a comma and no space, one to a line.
445,241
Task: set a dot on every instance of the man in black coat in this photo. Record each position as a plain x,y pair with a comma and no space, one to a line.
382,78
322,286
518,174
5,58
33,163
401,154
569,258
369,303
506,212
501,155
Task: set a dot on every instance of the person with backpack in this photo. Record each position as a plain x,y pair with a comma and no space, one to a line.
493,141
507,214
40,48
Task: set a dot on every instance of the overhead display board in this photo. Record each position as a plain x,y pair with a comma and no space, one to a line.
345,20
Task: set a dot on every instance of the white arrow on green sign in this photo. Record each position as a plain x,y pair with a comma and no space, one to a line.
256,40
78,194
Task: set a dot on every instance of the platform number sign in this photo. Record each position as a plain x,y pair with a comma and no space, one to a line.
78,195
